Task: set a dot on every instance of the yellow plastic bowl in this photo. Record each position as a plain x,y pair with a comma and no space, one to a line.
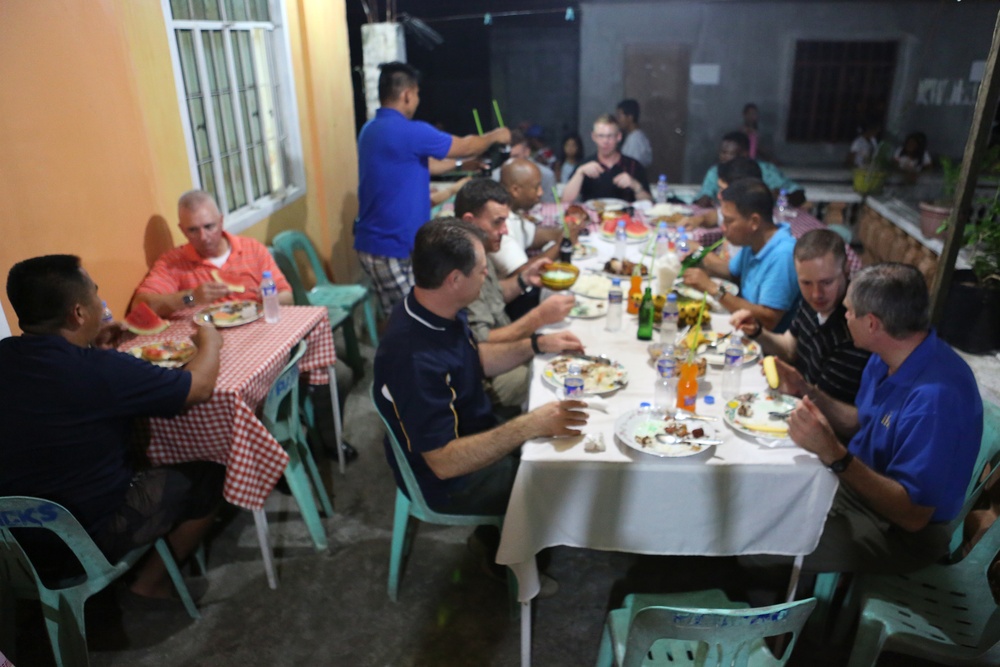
554,276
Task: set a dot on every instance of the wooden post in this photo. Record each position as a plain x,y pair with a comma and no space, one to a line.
979,135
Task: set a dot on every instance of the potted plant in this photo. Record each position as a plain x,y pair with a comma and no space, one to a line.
934,215
971,318
869,179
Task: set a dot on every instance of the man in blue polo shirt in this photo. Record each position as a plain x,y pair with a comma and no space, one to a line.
764,265
737,144
396,156
918,422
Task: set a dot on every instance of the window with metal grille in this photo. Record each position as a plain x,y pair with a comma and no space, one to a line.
838,87
235,87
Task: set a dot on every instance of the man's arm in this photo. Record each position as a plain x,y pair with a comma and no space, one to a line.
499,358
472,144
465,455
571,191
810,430
783,345
206,293
204,367
552,310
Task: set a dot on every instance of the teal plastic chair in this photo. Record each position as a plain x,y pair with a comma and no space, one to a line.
326,293
944,613
63,601
700,628
989,454
416,506
280,414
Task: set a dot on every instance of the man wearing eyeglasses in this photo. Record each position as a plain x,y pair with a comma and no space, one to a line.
609,173
212,266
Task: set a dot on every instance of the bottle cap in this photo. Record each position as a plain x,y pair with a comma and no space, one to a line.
574,368
104,304
710,400
616,282
645,405
672,296
267,274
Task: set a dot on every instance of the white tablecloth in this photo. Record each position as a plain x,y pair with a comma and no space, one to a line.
744,497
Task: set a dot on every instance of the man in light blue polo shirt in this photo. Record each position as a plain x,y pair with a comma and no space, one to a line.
764,265
396,156
737,144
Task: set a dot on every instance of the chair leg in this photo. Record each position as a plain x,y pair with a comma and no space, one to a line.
201,560
606,653
370,321
317,480
8,620
295,474
338,425
65,626
163,549
264,538
512,601
353,352
399,523
824,591
867,643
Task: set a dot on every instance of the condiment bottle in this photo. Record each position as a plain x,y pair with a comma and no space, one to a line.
635,288
646,312
687,387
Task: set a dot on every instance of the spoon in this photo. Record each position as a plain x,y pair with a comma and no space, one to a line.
674,440
781,415
684,415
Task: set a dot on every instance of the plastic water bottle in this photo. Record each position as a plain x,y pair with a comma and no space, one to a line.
671,314
269,293
621,239
732,368
106,316
665,388
682,243
782,205
661,190
613,322
662,239
573,382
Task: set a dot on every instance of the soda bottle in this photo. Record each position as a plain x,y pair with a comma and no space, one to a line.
687,386
646,313
269,294
573,382
621,240
106,316
635,288
614,318
665,388
732,368
566,250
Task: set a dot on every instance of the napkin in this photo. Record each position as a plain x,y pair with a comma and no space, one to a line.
596,403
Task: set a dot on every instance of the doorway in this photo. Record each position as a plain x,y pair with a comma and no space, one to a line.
656,76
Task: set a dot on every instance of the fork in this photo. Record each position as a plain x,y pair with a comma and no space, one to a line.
684,415
781,415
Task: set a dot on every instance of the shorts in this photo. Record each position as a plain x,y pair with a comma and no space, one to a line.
392,277
157,500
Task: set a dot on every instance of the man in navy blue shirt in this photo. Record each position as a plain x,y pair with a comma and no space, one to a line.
66,412
396,156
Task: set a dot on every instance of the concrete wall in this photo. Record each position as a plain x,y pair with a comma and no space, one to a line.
754,43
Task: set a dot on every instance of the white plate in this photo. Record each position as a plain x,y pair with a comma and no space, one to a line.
757,424
583,251
606,204
206,316
668,210
588,309
717,356
692,293
642,423
186,347
594,285
598,378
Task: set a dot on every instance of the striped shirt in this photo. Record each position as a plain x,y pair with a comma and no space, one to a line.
827,357
183,269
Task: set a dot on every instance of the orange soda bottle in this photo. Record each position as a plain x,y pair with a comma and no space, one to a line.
636,289
687,386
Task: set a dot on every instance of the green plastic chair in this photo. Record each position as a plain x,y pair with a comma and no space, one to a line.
699,628
63,602
944,613
280,414
416,506
325,293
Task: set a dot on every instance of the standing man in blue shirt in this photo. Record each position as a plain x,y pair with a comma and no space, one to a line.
764,265
396,156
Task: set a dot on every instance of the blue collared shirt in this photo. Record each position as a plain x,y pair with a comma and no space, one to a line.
768,277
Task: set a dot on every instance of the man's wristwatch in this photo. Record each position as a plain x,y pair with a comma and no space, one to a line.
188,299
840,465
458,164
721,293
523,284
534,343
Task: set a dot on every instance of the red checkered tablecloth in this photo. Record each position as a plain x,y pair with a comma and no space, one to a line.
226,429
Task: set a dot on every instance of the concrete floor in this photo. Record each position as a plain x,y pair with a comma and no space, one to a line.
331,608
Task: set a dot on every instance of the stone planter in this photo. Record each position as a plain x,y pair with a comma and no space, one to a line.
971,317
931,217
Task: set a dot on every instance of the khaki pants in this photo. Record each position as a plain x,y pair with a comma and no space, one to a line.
510,389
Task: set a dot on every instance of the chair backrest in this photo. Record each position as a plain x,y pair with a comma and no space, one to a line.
291,241
291,272
726,636
989,454
280,413
26,512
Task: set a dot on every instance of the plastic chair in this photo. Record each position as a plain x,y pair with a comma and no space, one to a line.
325,293
700,628
416,506
63,602
280,415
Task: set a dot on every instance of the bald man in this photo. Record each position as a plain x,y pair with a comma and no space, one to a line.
523,180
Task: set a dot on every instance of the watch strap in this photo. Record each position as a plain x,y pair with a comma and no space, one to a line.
840,465
524,285
534,343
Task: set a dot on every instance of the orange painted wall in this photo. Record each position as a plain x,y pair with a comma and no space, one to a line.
93,143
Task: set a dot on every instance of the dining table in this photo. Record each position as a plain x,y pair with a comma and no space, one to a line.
751,494
225,429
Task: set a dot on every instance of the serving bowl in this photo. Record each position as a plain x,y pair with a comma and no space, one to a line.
559,276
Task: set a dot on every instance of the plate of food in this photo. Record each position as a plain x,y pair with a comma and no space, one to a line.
711,346
230,314
648,432
584,251
588,309
695,294
622,268
606,204
669,213
636,231
758,414
166,353
594,285
600,375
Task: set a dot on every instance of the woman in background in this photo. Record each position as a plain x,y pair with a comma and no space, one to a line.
570,156
912,157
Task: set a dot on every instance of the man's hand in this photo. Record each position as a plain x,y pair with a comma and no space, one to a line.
109,336
792,382
811,431
744,320
206,336
559,418
625,181
704,201
209,292
698,279
592,169
561,341
555,308
532,271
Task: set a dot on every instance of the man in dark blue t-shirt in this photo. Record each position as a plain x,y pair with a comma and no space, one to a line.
66,410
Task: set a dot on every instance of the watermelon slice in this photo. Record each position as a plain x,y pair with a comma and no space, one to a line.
634,228
144,322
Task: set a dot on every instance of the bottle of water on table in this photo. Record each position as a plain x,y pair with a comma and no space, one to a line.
662,239
106,316
665,389
613,322
573,382
682,243
732,368
662,193
621,239
671,314
782,205
269,294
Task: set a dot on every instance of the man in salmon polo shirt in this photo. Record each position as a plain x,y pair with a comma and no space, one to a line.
212,266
